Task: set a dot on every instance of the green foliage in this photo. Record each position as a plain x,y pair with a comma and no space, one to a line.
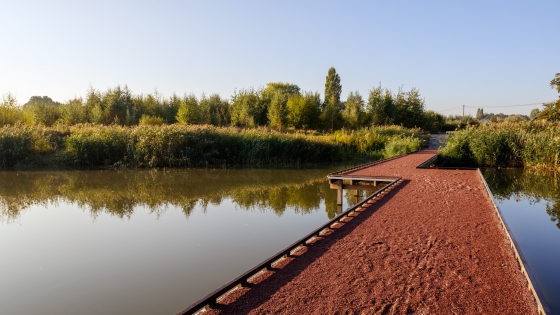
409,108
248,109
532,145
457,150
479,113
277,94
402,145
458,122
19,143
551,110
98,145
433,122
147,120
353,112
10,114
516,118
534,113
41,111
178,145
331,110
556,82
73,112
333,88
372,141
303,110
381,106
152,145
189,112
216,110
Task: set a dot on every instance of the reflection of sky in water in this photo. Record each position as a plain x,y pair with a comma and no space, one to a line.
536,232
65,253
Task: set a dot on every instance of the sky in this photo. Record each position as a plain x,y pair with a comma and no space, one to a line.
472,53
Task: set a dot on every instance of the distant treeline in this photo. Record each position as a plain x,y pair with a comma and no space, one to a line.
277,105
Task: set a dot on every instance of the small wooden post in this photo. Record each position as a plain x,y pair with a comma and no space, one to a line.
339,193
356,192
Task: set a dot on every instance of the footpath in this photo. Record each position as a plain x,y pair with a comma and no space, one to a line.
432,245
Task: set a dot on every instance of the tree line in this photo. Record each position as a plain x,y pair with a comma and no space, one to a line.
278,105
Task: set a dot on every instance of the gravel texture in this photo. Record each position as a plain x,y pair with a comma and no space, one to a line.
432,245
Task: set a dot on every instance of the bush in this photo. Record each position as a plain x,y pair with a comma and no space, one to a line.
529,144
401,145
20,143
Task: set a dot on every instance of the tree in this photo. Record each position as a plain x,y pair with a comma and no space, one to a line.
534,113
516,118
381,106
73,112
556,82
248,109
409,108
189,112
10,113
433,121
41,110
304,110
333,89
276,94
216,109
479,113
551,110
331,108
353,112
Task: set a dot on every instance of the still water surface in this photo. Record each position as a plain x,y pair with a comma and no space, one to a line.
146,242
530,205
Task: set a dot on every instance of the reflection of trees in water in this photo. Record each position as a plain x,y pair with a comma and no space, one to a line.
118,193
553,210
534,186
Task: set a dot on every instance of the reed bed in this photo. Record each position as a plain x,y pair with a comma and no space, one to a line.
196,145
372,142
21,143
528,144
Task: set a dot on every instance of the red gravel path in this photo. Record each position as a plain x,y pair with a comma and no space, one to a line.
433,245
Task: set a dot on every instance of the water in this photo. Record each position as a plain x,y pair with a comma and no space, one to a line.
530,205
146,242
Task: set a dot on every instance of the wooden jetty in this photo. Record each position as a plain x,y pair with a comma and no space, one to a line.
430,241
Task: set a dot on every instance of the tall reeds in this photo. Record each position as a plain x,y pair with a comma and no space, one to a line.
196,145
528,144
20,143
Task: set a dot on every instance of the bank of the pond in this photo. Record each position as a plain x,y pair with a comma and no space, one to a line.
24,146
529,144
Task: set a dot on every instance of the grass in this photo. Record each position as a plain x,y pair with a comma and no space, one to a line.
193,146
528,144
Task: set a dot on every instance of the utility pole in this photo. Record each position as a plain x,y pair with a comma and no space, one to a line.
463,112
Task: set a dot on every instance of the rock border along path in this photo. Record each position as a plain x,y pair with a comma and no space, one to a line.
432,245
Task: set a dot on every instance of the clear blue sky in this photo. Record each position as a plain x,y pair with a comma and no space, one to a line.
477,53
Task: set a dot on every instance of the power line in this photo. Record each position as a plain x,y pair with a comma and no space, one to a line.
443,110
532,104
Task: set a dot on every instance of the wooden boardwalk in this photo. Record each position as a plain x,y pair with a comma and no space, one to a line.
434,244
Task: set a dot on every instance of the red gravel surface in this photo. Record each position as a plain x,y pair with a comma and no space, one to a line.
432,245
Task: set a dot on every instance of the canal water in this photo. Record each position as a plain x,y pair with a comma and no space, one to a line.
146,241
530,204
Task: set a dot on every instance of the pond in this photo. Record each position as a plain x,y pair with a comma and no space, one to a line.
146,241
530,205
